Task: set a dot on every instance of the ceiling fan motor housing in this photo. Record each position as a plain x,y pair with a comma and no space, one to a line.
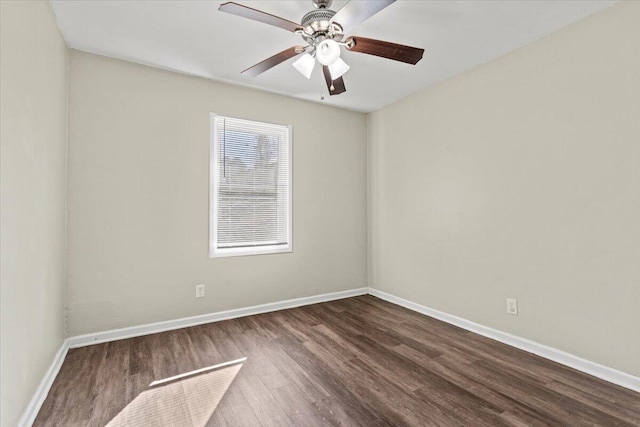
318,23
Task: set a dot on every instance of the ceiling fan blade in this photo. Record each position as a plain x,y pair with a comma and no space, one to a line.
397,52
336,87
271,62
357,11
257,15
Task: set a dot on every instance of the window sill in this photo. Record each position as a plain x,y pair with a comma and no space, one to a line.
263,250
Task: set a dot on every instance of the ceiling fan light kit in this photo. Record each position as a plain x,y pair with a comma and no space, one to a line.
338,68
323,30
327,52
305,65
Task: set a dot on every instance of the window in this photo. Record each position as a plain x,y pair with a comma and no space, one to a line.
250,187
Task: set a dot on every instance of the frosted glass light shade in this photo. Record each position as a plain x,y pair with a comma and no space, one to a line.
338,68
305,65
328,52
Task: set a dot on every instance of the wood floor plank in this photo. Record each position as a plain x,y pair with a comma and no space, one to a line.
624,412
238,412
354,362
262,402
300,411
111,384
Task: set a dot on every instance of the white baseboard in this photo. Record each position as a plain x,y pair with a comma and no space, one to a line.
169,325
31,412
603,372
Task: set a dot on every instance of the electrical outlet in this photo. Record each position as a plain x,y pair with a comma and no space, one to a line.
199,291
512,306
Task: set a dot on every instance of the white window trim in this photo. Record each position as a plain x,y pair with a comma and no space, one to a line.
214,169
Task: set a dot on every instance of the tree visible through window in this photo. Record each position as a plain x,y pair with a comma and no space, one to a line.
250,187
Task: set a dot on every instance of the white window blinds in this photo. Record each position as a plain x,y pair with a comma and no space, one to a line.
250,187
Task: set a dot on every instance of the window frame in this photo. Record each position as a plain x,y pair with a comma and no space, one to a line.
214,171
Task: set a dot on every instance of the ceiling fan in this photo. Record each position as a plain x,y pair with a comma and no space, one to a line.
323,30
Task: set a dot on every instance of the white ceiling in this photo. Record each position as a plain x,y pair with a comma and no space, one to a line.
193,37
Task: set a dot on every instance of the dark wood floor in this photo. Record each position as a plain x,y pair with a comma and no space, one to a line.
357,361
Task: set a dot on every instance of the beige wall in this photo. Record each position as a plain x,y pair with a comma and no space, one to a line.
138,198
33,118
521,178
